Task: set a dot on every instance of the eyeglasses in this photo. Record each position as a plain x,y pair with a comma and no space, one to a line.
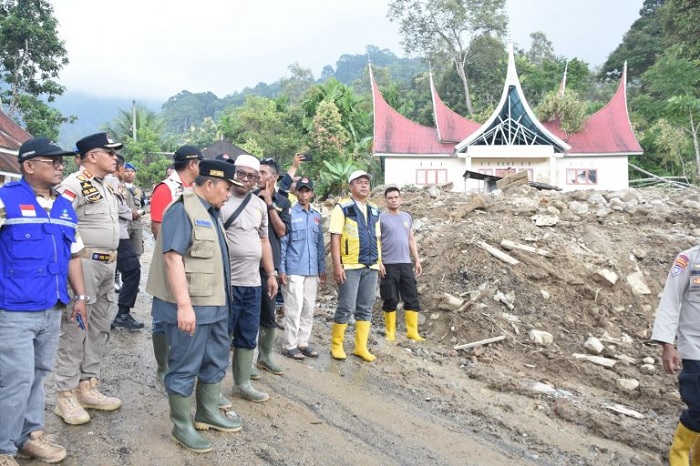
241,175
109,152
57,163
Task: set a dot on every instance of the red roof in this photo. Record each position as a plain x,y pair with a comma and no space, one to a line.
11,137
608,131
451,127
396,134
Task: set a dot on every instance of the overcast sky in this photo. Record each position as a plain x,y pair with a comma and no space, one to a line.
143,49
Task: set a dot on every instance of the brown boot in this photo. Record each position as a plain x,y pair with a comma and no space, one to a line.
68,409
90,397
7,460
40,447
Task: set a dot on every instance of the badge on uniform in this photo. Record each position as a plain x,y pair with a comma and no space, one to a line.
27,210
202,223
90,193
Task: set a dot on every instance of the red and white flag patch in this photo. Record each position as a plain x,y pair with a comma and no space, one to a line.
70,195
27,210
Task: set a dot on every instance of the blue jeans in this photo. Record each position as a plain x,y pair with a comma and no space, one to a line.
245,315
28,342
356,295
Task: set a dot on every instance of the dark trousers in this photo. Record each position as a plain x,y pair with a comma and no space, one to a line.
129,266
244,318
399,284
267,305
202,356
689,387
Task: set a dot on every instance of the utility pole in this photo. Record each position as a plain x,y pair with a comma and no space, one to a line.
133,120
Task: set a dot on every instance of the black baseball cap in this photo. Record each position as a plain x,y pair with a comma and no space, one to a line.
185,153
225,158
36,147
305,183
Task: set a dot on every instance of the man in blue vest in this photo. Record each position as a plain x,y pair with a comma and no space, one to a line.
39,245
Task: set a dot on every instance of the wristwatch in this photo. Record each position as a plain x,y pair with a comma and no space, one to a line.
272,206
81,297
272,274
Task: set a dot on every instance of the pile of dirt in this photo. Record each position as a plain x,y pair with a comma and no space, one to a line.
589,264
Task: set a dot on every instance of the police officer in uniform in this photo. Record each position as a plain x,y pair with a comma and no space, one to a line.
193,306
39,247
136,200
80,351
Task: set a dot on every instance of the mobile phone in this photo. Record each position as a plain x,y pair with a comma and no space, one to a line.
81,324
308,158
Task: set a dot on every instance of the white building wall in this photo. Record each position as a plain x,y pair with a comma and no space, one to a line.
570,172
424,171
610,172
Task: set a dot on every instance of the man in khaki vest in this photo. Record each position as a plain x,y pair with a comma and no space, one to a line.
189,280
80,351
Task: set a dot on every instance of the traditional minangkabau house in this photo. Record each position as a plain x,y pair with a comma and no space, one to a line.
465,153
11,137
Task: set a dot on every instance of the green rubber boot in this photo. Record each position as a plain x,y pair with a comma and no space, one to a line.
183,431
242,361
161,350
255,373
208,415
266,342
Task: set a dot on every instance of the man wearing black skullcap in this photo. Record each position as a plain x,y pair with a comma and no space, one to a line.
193,306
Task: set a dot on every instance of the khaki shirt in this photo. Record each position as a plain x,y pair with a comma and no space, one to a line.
97,208
678,314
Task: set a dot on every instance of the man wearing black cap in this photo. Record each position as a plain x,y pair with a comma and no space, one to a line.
193,306
39,247
186,161
302,268
80,351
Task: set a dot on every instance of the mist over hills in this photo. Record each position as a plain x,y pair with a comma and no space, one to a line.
93,113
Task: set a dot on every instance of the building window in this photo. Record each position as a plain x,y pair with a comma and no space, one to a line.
485,171
582,176
430,176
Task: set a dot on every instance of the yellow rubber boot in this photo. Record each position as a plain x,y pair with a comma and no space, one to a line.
683,440
361,336
695,454
390,324
412,326
337,337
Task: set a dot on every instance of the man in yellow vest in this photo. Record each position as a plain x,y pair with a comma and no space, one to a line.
356,253
189,280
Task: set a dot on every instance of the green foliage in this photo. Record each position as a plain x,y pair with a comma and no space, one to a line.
203,135
334,180
445,28
682,26
565,107
640,46
188,109
31,57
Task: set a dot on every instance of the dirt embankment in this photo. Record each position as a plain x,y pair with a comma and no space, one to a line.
590,264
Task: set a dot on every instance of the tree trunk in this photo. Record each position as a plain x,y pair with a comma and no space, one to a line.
465,82
694,133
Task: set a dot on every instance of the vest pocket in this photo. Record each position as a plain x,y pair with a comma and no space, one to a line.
27,244
200,278
204,244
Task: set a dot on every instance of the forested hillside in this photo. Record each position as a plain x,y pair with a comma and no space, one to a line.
331,114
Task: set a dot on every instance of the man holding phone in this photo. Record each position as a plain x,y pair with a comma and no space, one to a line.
39,250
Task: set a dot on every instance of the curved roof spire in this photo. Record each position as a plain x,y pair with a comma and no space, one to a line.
513,122
451,127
